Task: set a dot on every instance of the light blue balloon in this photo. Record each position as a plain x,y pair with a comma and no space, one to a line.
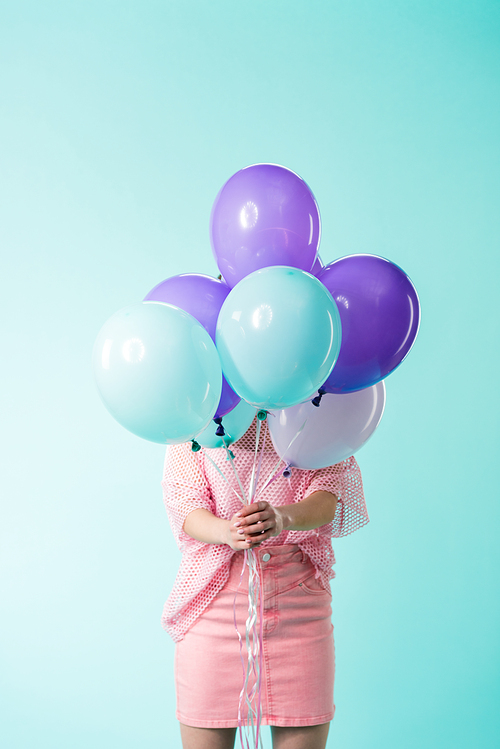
278,336
158,372
235,424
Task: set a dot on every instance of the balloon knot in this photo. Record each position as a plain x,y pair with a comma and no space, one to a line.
195,446
317,400
219,432
230,454
262,415
287,472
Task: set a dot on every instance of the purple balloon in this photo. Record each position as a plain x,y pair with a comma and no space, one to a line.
380,315
201,296
264,215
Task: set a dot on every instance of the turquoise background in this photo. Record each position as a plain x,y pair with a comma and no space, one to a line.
119,122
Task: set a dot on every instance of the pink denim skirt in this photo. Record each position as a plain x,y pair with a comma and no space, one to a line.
298,663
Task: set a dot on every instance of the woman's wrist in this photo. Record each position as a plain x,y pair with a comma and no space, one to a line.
312,512
204,526
282,520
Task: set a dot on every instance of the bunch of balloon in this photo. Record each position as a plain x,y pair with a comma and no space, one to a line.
278,331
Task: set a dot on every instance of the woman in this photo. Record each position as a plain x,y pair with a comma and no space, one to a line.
289,526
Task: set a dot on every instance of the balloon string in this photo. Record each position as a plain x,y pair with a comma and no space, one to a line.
254,631
261,457
254,647
261,640
230,458
254,644
222,474
274,475
277,475
250,643
254,653
241,647
297,435
252,477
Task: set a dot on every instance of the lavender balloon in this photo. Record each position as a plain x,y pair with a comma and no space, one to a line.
264,215
201,296
380,316
308,437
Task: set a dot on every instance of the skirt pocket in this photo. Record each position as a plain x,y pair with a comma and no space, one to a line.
313,586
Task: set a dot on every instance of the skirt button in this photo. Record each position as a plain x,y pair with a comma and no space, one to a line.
266,557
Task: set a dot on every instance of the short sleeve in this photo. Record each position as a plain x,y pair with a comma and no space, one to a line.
343,480
185,488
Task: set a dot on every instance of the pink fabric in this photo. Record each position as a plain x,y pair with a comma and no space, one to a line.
298,663
191,481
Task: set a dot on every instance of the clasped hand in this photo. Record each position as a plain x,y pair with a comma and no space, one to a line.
253,524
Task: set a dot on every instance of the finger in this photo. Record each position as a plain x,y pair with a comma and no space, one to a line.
258,527
259,517
257,540
254,507
258,532
253,542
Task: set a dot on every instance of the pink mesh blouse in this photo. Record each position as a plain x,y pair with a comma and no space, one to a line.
191,480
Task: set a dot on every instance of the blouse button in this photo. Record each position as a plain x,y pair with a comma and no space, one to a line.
266,557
